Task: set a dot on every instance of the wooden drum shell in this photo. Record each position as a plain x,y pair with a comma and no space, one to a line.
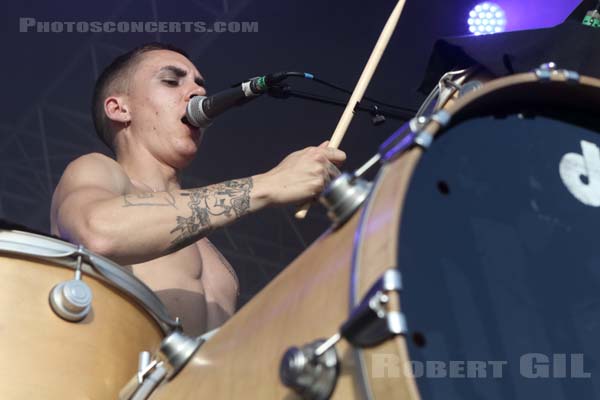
48,357
309,300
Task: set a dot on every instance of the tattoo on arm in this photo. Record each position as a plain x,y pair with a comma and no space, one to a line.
162,199
227,198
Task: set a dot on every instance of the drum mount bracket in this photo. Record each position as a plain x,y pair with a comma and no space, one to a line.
312,370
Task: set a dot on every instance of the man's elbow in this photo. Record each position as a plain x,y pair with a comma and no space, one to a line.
99,245
95,235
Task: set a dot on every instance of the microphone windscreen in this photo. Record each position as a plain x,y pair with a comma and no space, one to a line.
194,113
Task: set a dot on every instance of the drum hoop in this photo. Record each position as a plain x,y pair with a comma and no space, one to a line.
361,243
434,127
65,254
353,290
391,172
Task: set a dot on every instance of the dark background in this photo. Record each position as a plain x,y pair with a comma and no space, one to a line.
47,79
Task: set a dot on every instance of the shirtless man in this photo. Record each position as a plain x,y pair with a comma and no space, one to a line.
133,210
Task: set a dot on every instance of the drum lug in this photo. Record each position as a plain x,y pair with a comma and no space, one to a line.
371,322
309,370
417,124
423,138
547,71
343,196
310,376
72,300
442,117
176,350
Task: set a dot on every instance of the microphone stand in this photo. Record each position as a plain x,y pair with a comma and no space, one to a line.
378,116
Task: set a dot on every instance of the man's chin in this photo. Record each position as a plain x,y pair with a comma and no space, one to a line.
185,154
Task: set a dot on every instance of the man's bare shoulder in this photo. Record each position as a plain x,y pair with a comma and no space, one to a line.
94,169
90,176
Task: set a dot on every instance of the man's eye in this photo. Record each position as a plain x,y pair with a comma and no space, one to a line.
171,82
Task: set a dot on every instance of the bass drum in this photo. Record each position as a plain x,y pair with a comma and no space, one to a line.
493,230
47,357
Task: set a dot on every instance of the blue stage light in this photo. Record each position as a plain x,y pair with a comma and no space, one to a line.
486,18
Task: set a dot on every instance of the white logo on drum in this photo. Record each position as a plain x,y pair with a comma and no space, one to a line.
581,174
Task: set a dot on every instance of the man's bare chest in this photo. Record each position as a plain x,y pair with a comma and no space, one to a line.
180,270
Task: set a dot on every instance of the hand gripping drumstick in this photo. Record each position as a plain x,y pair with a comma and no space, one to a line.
361,86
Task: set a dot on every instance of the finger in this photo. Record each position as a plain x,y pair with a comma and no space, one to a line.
336,156
324,144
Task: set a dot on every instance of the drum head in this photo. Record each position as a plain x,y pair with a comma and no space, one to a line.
498,253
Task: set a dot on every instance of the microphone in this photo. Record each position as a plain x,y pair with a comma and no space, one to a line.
201,110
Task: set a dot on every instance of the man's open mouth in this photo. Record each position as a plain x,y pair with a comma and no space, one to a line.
185,121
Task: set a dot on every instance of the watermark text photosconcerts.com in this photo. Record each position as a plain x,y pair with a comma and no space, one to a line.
32,25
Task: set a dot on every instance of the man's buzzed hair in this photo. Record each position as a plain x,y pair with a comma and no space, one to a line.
113,80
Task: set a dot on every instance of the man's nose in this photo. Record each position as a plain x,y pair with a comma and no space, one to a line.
197,91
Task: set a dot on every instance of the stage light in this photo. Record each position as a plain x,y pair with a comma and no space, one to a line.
486,18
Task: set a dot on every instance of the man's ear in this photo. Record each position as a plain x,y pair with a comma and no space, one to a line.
116,109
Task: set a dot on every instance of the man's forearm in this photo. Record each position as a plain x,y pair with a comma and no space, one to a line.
230,200
139,227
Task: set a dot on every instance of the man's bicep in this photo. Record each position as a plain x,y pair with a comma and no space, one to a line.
85,184
75,210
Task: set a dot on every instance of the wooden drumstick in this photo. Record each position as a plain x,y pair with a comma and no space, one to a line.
361,86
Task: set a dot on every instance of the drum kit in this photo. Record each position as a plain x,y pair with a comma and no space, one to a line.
466,269
474,244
